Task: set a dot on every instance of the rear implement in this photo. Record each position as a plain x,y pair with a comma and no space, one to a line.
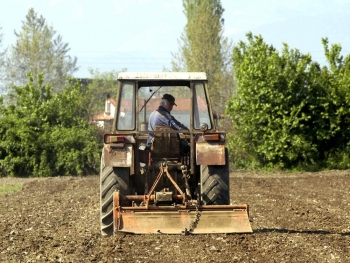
179,219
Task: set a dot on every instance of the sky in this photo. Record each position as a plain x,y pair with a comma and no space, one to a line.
142,35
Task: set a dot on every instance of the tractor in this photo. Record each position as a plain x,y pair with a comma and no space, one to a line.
163,189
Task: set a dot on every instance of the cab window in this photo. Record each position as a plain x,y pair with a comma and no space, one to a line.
200,107
126,111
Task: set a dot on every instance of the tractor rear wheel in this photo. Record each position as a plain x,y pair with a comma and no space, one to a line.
111,179
215,183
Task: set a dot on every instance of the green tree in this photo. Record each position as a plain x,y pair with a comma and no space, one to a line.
42,134
287,111
281,107
202,47
38,50
102,84
337,148
2,59
2,53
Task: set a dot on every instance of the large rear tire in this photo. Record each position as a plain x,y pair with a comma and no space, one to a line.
111,179
215,183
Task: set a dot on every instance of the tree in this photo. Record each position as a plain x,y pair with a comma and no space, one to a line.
2,59
287,111
45,134
2,53
38,50
337,148
202,47
101,86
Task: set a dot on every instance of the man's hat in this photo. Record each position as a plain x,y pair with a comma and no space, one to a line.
169,98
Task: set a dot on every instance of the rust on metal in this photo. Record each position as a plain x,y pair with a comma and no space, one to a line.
118,155
163,168
169,222
165,143
178,219
143,198
116,210
210,153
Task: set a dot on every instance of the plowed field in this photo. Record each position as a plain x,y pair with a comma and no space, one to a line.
299,217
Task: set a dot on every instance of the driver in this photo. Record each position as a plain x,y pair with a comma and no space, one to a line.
162,117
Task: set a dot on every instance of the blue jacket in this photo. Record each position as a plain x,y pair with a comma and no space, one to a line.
162,117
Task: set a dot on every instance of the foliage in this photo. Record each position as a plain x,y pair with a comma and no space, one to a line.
202,47
338,82
42,134
287,112
2,53
38,50
2,59
102,85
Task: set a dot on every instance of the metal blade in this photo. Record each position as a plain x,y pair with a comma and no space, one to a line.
179,222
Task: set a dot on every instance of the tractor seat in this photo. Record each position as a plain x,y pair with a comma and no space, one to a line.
165,145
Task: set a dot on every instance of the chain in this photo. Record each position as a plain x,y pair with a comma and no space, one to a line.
194,224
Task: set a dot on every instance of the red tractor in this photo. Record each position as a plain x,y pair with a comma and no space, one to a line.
162,189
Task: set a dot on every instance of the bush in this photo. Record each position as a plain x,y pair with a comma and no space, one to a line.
287,112
46,135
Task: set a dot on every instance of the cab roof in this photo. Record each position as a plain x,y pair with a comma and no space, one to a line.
162,75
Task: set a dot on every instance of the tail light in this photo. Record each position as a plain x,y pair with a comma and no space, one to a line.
112,138
211,137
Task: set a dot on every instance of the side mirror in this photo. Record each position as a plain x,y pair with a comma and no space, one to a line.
204,127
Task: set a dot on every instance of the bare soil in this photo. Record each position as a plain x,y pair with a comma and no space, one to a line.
296,217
